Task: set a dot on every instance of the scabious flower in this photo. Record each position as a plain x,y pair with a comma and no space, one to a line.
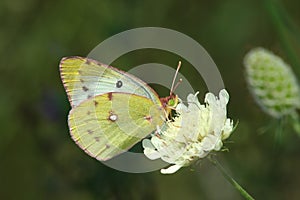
272,83
194,132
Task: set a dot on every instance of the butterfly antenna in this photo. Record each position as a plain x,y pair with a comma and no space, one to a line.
176,73
177,84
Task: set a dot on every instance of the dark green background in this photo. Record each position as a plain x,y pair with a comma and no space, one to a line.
39,160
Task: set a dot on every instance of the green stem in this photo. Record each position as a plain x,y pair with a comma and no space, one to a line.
295,121
237,186
281,23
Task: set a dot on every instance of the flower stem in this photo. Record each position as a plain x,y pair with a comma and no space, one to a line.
285,28
242,191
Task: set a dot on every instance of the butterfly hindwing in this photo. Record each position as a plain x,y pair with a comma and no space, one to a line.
84,78
109,124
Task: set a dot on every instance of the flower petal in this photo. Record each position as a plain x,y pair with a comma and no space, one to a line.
151,154
193,133
147,144
224,96
171,170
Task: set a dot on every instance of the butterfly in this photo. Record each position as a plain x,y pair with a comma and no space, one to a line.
111,110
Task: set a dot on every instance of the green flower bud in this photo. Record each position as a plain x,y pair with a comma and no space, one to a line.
272,83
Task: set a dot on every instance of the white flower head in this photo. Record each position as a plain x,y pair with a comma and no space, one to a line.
272,82
197,130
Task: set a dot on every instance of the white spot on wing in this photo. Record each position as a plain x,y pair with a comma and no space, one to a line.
113,117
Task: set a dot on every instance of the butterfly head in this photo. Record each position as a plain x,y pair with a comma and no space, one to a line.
169,103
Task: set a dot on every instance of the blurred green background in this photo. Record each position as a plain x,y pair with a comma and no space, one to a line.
39,160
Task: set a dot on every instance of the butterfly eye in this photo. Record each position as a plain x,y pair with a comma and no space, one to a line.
119,84
171,102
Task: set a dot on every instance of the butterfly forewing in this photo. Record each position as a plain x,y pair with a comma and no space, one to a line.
109,124
84,78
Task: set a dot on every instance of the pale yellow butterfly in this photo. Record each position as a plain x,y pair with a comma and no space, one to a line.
111,109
